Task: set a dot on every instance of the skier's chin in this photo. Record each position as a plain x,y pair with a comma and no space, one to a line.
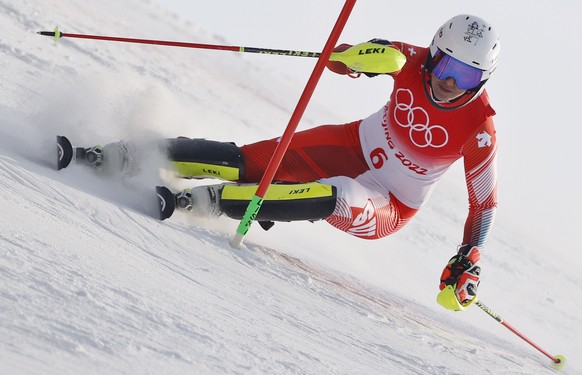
443,94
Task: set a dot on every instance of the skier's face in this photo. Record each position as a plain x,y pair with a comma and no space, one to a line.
446,89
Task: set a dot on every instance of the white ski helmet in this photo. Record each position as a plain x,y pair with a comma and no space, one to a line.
471,40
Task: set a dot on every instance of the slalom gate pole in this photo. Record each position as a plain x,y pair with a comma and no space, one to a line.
257,200
558,361
56,34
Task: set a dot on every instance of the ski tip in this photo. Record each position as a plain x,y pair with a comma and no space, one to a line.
64,152
167,202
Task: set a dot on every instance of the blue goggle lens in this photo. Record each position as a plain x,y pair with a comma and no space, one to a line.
466,76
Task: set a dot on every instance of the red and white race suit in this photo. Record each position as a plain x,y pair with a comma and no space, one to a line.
386,165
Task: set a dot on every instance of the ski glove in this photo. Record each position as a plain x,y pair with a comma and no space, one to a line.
463,271
382,42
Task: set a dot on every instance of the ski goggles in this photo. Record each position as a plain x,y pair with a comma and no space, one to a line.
466,76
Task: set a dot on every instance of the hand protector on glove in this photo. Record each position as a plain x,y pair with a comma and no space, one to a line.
462,272
378,56
338,66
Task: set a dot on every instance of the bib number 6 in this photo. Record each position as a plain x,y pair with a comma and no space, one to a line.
378,156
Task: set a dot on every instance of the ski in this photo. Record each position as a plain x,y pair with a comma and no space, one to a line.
167,202
65,152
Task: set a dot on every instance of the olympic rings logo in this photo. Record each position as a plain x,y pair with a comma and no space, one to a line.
416,118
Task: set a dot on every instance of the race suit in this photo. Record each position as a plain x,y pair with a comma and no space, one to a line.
386,165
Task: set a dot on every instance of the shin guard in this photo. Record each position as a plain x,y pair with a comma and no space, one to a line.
283,202
200,158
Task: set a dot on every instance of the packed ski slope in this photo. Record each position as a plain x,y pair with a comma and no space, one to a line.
91,283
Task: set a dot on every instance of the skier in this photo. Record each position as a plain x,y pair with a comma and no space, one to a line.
368,177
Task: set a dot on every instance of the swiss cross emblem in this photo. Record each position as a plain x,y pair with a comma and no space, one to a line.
483,139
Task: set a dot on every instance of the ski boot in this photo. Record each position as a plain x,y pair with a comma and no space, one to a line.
201,201
92,156
114,158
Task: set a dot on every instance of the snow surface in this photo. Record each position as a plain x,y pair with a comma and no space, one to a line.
90,283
